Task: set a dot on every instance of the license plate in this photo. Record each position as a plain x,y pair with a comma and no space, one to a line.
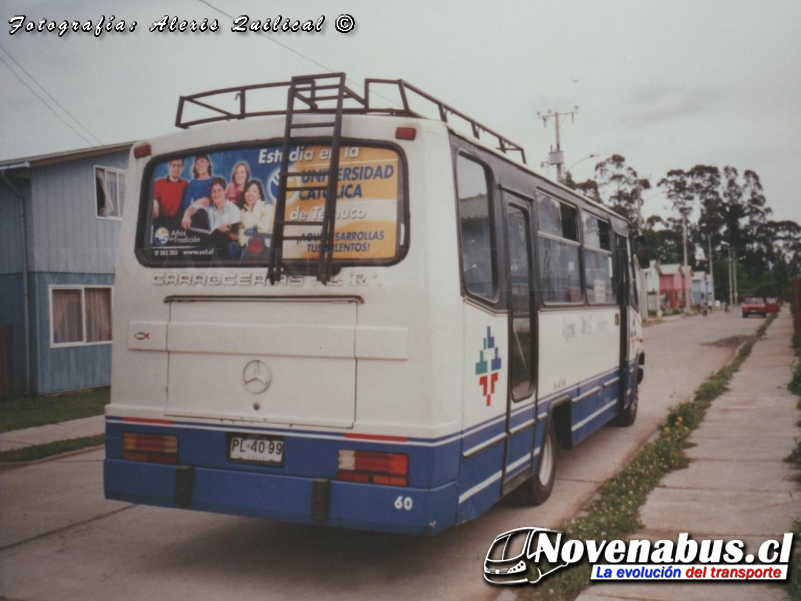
266,450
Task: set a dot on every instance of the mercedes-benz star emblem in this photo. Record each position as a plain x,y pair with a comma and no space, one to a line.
257,377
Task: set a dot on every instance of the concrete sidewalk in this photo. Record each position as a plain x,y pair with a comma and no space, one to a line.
737,486
79,428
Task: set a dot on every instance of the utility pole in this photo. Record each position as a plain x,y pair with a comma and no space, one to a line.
734,269
711,288
731,288
684,236
641,269
557,157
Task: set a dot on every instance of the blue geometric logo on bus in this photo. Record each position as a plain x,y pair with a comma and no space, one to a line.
488,366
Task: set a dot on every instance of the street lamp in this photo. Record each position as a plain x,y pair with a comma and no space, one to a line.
591,156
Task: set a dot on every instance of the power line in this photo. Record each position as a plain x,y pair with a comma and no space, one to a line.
300,54
274,41
50,108
49,95
92,145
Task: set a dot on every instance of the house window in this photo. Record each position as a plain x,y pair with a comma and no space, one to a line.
80,315
109,192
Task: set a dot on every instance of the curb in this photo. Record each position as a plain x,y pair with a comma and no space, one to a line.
10,465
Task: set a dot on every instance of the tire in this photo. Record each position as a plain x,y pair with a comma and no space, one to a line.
629,414
537,489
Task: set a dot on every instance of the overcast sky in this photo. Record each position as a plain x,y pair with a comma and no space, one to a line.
666,84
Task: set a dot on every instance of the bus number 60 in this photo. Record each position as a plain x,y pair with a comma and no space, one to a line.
404,503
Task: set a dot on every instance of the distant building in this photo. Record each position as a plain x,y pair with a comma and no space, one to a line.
701,288
652,273
673,285
59,224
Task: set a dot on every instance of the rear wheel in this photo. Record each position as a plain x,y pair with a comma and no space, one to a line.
629,414
537,489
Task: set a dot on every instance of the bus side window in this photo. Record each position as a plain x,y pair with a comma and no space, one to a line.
522,364
475,228
633,300
560,280
599,273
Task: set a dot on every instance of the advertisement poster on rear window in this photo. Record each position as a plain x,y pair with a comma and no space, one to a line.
222,205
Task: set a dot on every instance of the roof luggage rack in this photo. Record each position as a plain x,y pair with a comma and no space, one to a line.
326,95
243,102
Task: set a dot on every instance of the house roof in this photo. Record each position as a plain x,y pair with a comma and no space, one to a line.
674,268
670,268
60,157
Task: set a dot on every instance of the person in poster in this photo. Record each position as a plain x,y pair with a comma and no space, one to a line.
199,188
257,214
235,192
221,219
168,194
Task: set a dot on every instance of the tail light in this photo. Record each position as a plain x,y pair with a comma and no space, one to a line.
391,469
152,448
142,151
256,245
405,133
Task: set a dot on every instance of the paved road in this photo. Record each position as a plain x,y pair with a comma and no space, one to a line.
60,540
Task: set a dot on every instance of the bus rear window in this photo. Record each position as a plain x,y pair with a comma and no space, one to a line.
218,207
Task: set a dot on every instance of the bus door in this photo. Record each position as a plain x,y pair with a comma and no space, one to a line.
521,397
623,285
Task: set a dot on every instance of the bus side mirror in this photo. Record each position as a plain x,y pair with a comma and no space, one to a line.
642,252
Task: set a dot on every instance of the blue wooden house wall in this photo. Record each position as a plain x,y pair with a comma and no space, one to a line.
67,245
11,266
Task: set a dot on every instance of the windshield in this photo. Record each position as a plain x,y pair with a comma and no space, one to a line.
218,207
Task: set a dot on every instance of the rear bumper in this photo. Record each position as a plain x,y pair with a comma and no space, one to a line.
286,498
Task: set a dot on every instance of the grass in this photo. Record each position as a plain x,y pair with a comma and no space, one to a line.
614,513
764,327
52,448
27,412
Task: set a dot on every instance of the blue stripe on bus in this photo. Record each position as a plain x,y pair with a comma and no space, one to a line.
571,391
445,487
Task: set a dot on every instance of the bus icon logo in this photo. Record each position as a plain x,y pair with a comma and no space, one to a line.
257,377
514,556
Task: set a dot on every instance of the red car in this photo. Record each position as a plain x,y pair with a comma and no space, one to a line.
772,305
754,305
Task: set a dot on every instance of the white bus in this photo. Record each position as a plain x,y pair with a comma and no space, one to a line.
352,315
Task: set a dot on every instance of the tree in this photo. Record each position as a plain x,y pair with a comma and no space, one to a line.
664,245
733,217
679,190
621,187
704,183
